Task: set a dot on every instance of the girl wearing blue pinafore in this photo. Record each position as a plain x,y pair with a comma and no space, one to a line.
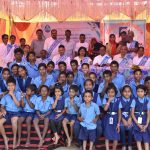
57,114
112,119
126,124
140,114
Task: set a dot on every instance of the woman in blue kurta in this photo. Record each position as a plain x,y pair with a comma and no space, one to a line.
141,114
57,114
112,119
126,124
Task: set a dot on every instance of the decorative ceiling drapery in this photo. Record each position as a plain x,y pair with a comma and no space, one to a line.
63,9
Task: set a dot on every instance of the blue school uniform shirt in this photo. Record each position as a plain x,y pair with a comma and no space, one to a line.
119,80
68,105
27,108
88,114
49,81
43,106
9,103
3,86
133,87
54,74
66,90
22,63
77,78
32,70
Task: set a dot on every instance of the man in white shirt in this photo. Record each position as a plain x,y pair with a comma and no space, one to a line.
52,43
3,51
61,57
69,44
123,60
103,59
141,60
81,43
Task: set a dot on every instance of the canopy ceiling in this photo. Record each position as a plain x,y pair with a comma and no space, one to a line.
61,10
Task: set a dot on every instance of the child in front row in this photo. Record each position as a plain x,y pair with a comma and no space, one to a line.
57,114
27,103
141,114
72,104
88,116
10,108
112,119
43,107
126,124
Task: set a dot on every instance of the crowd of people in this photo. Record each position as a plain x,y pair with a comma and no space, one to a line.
52,80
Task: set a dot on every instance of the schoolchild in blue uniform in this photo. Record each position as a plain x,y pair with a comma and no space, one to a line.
51,71
126,121
57,114
72,104
147,84
23,80
137,80
140,114
70,78
43,78
10,108
43,107
117,78
27,103
93,76
88,116
14,71
112,119
3,84
31,65
18,54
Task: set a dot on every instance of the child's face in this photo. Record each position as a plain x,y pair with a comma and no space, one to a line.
127,93
62,67
74,66
43,54
138,75
88,97
111,93
70,78
72,93
88,86
18,56
44,92
15,70
11,87
93,77
114,68
85,69
62,78
6,75
50,68
61,51
147,84
140,93
58,92
32,58
28,92
42,70
107,77
82,52
22,72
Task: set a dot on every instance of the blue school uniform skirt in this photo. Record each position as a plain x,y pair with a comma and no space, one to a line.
86,134
11,114
71,117
37,117
53,115
110,131
27,114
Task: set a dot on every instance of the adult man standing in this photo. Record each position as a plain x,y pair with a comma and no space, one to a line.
52,43
38,44
69,44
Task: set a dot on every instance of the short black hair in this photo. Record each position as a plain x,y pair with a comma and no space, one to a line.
5,69
108,72
68,30
39,30
147,79
103,47
32,87
24,68
62,73
18,50
62,63
85,64
22,39
126,86
141,47
30,53
83,49
44,86
3,36
137,70
74,62
123,32
58,86
74,87
88,91
11,80
70,73
141,86
13,36
14,65
111,86
93,73
89,80
51,63
82,35
42,65
114,63
61,46
111,35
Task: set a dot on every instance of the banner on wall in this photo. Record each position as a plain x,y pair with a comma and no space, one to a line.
115,27
90,29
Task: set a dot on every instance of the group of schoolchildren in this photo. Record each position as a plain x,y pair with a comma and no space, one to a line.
90,105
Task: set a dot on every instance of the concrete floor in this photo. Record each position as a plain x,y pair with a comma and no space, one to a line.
73,147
